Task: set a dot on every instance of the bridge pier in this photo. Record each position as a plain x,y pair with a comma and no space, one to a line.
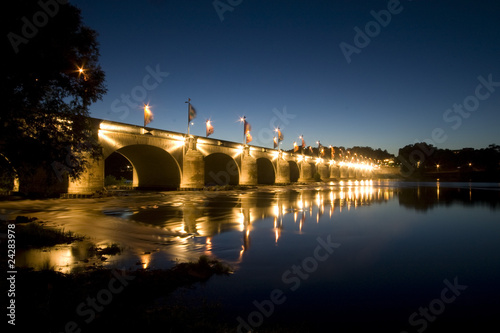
248,168
282,170
193,166
91,180
351,172
323,171
344,172
305,171
363,173
334,171
15,187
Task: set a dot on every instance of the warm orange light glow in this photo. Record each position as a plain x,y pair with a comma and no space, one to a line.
241,252
81,71
242,221
239,151
275,155
106,138
145,260
277,234
147,110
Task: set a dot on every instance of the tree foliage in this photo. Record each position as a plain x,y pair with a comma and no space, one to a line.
342,153
422,158
44,120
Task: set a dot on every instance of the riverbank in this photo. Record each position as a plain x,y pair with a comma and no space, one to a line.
99,299
104,300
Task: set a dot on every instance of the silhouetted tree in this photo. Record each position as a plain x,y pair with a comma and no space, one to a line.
362,153
417,156
376,154
420,159
51,77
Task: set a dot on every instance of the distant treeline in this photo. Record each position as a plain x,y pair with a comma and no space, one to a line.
422,160
342,153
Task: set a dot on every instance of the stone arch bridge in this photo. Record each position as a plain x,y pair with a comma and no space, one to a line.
170,160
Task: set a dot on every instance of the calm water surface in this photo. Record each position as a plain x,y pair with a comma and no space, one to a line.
396,256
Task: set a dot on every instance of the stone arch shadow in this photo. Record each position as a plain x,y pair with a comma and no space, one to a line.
221,169
294,171
153,168
265,171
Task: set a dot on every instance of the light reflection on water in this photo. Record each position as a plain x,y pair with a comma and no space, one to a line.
156,229
398,242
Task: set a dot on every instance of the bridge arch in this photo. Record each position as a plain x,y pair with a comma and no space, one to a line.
119,166
9,176
153,167
294,171
265,171
221,169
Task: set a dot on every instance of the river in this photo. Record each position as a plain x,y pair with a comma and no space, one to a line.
400,256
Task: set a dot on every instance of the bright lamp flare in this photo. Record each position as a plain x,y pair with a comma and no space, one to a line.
81,71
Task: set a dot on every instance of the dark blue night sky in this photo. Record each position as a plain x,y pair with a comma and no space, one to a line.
348,73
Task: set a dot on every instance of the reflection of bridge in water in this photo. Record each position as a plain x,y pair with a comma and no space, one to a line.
169,225
219,212
156,228
169,160
224,212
